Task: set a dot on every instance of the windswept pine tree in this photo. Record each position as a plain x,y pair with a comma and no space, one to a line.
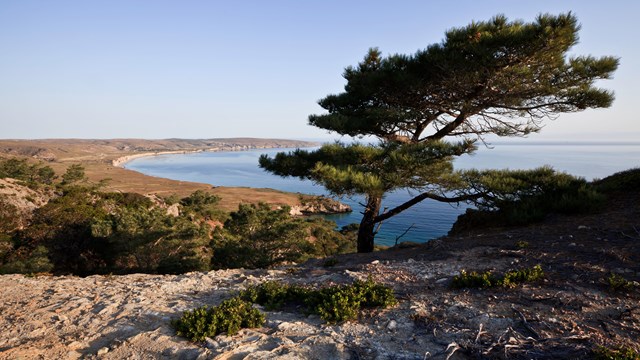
496,77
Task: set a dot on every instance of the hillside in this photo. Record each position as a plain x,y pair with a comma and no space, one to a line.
101,157
566,315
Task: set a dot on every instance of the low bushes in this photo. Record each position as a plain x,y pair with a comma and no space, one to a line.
333,304
623,353
488,279
228,317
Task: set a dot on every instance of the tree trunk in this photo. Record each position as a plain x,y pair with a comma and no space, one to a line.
366,231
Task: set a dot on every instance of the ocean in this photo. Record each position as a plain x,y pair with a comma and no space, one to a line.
426,220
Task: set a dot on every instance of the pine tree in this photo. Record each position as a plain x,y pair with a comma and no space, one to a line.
493,77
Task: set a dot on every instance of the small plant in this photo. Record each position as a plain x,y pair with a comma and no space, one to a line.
474,280
273,295
522,244
617,282
228,317
603,353
487,279
513,278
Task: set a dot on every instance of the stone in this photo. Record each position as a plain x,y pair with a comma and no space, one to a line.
392,325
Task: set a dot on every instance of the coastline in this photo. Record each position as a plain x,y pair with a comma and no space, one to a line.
121,161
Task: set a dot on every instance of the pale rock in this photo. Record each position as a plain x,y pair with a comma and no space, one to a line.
392,325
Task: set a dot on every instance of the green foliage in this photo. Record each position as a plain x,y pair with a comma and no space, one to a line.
496,77
63,226
333,304
86,231
488,279
522,244
32,174
623,353
520,197
74,174
149,240
274,295
204,205
228,317
257,236
515,277
618,283
474,280
628,180
36,261
127,199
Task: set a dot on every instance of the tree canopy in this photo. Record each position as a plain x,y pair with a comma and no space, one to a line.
493,77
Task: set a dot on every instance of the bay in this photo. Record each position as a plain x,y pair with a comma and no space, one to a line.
428,219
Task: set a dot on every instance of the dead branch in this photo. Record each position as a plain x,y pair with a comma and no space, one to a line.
525,323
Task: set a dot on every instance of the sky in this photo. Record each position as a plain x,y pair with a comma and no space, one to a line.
209,69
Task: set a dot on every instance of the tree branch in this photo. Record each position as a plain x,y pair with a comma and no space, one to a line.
400,208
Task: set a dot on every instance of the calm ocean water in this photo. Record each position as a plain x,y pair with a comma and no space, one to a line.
425,221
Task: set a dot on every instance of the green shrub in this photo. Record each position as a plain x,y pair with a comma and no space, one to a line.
522,244
333,304
488,279
521,197
228,317
603,353
33,175
202,204
621,181
617,282
513,278
257,236
75,173
337,303
273,295
474,280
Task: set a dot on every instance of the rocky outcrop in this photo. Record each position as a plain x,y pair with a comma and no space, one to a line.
319,205
16,195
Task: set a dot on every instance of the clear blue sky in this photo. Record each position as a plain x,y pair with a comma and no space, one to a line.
203,69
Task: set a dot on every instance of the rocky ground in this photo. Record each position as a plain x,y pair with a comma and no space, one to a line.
565,316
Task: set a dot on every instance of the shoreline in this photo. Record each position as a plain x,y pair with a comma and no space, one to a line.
121,161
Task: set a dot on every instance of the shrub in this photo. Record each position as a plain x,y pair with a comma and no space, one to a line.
75,173
273,295
488,279
620,181
521,197
33,175
617,282
228,317
513,278
202,204
624,353
333,304
474,280
257,236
